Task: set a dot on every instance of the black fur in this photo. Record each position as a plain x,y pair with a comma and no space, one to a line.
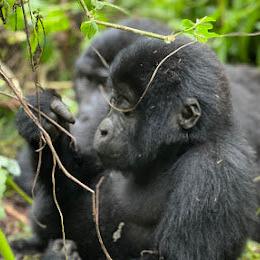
90,72
245,89
180,194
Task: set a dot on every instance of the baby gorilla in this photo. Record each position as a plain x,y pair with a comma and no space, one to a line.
181,173
178,179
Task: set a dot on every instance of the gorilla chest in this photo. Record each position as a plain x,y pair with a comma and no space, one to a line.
130,212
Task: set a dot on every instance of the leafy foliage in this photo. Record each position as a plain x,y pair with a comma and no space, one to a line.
230,16
7,166
89,28
200,29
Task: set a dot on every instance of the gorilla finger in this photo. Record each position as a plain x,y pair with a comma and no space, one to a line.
60,109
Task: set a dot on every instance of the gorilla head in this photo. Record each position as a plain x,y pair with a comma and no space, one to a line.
187,102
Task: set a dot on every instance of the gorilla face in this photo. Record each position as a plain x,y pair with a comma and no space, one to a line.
130,138
115,134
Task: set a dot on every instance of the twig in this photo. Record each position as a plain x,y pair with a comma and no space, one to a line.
39,163
95,204
37,85
27,35
257,179
149,83
58,206
10,74
100,56
15,187
240,34
166,38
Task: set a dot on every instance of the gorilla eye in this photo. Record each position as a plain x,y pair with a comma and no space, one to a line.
113,101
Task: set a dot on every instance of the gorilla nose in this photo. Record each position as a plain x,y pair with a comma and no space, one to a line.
105,129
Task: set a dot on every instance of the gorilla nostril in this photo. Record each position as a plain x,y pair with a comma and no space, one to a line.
105,129
103,132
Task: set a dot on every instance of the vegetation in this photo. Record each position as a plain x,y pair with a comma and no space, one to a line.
40,40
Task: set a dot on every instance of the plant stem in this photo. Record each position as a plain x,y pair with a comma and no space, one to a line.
5,249
15,187
166,38
136,31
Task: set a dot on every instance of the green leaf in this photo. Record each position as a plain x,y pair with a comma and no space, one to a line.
11,2
200,29
187,24
2,212
205,26
108,4
56,21
98,4
3,176
207,19
10,165
89,28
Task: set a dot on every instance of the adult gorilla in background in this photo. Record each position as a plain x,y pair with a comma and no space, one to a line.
245,89
178,179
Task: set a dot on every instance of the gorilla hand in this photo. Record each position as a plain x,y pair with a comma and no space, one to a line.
50,103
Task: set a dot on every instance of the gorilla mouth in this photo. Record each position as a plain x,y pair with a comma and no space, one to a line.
111,159
108,155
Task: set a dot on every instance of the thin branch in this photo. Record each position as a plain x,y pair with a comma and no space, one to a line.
58,206
100,56
149,83
240,34
37,85
15,187
95,204
39,163
27,35
166,38
257,179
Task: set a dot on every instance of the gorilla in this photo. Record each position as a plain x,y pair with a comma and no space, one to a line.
90,72
177,171
245,89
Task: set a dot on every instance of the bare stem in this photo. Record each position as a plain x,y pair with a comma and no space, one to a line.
95,205
167,38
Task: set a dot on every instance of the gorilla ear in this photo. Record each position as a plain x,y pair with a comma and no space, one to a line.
190,113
